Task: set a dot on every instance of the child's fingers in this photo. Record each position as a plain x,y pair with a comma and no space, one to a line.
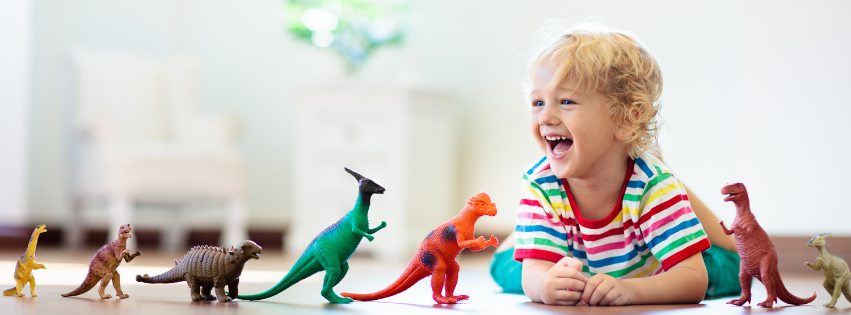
570,262
567,273
591,287
564,297
612,298
599,293
563,284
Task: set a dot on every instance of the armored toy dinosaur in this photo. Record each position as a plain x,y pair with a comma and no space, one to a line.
104,264
208,267
331,249
436,255
837,276
25,266
758,257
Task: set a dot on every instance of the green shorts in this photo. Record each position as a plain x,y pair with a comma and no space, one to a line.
722,266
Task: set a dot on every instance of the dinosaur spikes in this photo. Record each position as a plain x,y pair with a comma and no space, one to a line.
355,174
480,198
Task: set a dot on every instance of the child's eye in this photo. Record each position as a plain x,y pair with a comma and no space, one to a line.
567,102
537,103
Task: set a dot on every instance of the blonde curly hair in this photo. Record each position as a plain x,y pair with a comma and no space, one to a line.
617,65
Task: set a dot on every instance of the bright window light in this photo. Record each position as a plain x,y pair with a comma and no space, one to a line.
319,20
322,38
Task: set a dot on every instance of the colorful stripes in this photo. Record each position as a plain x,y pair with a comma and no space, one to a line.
654,230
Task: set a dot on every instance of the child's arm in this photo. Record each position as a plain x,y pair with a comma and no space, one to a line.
713,231
685,282
558,283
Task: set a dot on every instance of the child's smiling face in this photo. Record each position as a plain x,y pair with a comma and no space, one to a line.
572,126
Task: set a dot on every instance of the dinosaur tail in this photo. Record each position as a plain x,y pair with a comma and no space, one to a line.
12,291
306,266
88,284
409,277
787,297
171,276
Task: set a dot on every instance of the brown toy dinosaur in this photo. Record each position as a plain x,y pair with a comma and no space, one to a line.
104,264
208,267
758,257
436,255
25,266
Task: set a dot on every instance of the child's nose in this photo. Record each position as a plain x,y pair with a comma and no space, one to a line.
548,116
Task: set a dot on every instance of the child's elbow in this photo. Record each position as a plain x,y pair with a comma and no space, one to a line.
698,288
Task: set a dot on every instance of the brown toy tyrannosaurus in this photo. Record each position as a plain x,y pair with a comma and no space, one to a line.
758,257
436,255
104,264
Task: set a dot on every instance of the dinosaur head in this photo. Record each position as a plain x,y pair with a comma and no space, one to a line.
124,232
481,204
735,192
819,240
250,249
40,229
366,185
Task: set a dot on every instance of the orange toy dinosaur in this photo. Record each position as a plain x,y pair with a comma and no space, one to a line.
436,255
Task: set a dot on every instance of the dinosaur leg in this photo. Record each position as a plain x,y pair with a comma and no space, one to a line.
836,292
344,269
828,285
452,279
745,280
194,288
233,288
32,287
19,287
219,283
116,283
206,293
769,275
846,290
438,277
333,275
103,283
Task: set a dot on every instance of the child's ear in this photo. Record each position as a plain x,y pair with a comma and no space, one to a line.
621,133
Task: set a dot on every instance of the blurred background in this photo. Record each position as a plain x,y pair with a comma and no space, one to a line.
213,121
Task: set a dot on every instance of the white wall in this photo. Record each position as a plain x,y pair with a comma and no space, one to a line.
753,92
15,36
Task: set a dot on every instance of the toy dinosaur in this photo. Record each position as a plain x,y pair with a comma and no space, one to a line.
837,276
758,257
25,266
436,255
104,264
208,267
331,249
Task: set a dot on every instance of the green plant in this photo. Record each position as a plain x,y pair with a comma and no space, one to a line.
353,28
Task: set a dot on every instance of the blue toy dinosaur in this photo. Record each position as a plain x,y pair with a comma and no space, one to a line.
331,249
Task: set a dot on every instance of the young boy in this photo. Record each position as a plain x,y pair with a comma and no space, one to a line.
601,221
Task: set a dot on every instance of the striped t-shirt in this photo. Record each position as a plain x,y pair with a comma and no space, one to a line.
653,230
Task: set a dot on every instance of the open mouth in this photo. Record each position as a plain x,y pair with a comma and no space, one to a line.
255,255
559,145
730,196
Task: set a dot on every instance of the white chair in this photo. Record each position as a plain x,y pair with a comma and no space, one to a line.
149,141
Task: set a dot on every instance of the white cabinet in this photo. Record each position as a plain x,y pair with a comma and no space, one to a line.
401,138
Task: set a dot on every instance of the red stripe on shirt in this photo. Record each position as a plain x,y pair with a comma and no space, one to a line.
662,206
520,254
687,252
530,202
593,237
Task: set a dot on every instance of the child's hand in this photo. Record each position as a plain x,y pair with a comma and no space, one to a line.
603,289
563,283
